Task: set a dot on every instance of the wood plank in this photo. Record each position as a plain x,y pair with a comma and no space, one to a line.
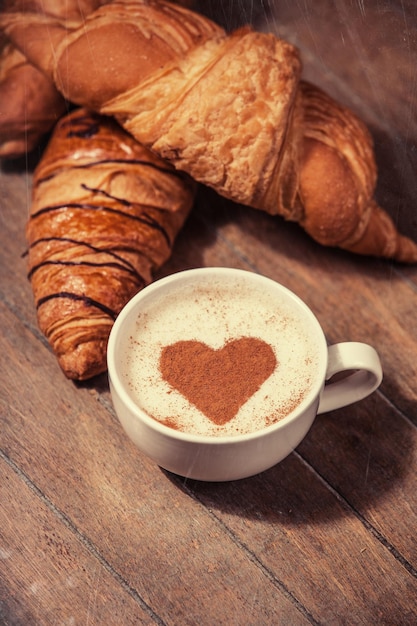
316,543
15,191
368,454
49,573
167,548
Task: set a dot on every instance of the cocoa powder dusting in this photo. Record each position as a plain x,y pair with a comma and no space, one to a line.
217,382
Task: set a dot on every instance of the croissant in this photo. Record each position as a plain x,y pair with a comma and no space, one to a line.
30,102
105,213
231,110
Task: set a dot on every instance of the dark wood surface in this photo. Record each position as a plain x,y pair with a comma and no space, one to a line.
92,532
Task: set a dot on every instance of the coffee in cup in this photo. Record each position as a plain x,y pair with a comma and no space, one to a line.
220,356
217,373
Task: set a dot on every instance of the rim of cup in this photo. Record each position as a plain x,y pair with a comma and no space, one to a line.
180,435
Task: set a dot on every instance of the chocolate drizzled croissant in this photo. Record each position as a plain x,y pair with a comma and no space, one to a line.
104,216
230,110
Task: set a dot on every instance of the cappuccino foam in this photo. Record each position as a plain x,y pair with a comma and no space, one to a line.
217,312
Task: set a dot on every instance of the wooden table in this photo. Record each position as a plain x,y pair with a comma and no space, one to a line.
92,532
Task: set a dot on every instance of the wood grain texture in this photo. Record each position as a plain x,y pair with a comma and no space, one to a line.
53,575
92,532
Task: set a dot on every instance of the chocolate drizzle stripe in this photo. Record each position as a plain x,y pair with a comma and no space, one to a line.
145,219
118,266
103,192
73,296
89,246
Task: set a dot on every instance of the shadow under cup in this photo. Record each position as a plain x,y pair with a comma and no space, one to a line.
202,456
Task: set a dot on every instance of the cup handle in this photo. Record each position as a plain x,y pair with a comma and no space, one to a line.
360,374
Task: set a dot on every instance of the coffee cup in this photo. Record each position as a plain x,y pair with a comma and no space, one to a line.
217,374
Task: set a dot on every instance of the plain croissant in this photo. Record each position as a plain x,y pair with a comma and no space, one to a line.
30,104
104,216
230,110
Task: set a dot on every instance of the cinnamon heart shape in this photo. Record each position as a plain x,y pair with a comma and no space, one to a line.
218,382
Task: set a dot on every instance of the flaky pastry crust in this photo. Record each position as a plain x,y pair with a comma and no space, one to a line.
30,103
104,216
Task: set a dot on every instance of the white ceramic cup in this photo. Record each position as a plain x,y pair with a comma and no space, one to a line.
223,458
